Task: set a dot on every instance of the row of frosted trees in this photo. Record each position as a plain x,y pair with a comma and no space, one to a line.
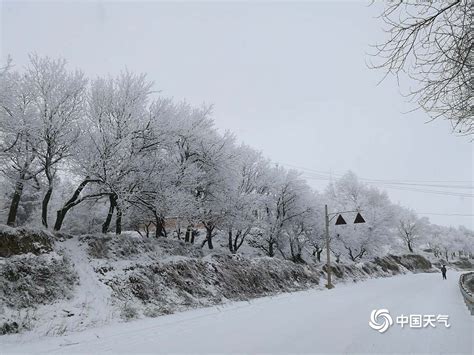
108,154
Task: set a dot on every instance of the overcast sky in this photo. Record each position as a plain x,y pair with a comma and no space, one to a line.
289,79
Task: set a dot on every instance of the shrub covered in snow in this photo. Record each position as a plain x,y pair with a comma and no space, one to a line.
128,246
411,262
128,312
211,280
463,264
164,287
29,280
14,241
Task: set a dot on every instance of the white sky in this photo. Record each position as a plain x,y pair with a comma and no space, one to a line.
289,79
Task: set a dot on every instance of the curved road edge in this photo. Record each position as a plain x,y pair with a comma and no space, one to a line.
466,290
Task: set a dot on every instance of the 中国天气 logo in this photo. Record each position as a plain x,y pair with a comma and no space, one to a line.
380,320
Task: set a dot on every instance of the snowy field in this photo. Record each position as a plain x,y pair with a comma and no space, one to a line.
314,321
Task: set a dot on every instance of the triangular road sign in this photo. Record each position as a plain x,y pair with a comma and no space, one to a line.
340,220
359,219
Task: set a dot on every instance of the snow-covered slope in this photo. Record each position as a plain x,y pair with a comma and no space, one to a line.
92,280
334,321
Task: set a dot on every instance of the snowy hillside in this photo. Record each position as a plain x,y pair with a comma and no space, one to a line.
312,321
61,283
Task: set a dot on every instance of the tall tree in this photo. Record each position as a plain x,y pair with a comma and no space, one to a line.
18,141
282,204
57,97
116,119
410,228
358,240
244,197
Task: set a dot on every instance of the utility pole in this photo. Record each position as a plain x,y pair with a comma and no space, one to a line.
340,220
328,258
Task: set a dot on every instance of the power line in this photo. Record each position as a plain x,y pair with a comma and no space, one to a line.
435,192
446,214
402,185
427,185
402,188
397,181
391,182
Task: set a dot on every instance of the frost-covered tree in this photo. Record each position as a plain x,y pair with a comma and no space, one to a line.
18,143
369,238
116,124
57,97
466,244
283,203
117,119
245,193
448,243
217,162
110,148
171,163
303,229
408,228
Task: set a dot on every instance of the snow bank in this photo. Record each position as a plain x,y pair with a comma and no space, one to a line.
92,280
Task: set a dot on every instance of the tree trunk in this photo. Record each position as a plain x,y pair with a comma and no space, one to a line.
159,226
47,197
15,202
298,259
147,230
118,221
209,237
44,206
410,247
73,201
239,235
271,251
60,214
318,254
209,243
113,203
230,244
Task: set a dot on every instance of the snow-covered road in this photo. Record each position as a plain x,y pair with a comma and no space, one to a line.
334,321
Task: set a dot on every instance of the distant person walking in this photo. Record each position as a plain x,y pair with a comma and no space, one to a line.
443,271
